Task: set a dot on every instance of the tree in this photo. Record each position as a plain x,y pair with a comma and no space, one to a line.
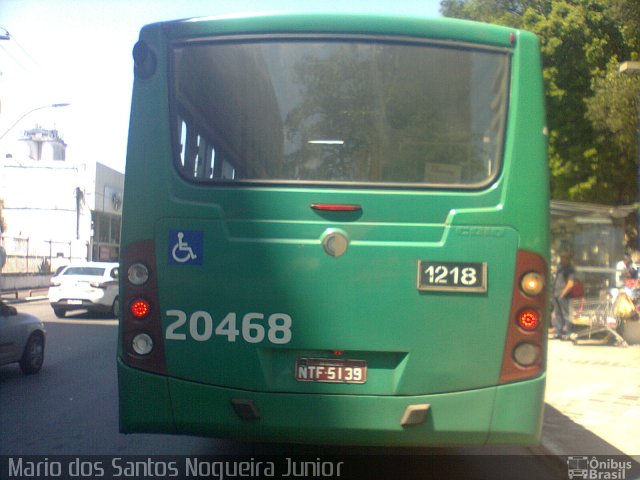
612,110
579,39
626,13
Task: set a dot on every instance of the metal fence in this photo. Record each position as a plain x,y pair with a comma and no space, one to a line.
25,255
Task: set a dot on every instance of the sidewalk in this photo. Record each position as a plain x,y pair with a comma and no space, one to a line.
593,400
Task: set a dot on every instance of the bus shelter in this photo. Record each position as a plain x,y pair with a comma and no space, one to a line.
596,235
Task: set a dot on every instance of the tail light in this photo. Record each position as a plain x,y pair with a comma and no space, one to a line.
140,308
524,350
528,319
141,329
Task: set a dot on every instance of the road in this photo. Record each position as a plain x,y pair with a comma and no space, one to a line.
70,408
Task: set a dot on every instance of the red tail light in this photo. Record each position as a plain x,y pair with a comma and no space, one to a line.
140,308
528,320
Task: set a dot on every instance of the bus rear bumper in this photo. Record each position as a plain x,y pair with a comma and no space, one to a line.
509,414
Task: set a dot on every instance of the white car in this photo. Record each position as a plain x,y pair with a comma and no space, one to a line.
91,286
22,339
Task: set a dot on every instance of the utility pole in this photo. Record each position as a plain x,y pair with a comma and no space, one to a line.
79,202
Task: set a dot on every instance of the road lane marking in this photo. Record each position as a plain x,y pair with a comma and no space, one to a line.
84,322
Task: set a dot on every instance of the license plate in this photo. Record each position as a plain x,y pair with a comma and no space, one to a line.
74,302
452,276
331,370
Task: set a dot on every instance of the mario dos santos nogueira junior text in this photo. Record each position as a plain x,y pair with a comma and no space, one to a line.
149,467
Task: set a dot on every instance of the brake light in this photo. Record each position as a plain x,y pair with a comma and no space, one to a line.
140,308
528,319
335,207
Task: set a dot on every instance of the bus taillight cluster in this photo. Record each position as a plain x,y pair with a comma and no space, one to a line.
141,332
524,347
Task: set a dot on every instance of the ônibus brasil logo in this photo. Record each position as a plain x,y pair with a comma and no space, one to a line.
593,468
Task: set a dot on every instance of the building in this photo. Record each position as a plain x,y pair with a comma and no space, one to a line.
106,213
56,210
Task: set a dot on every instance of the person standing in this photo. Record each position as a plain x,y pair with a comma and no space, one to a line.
563,283
625,270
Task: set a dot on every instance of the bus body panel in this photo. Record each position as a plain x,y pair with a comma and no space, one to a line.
453,418
224,318
365,303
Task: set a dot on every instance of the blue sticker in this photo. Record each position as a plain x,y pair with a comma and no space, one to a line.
186,247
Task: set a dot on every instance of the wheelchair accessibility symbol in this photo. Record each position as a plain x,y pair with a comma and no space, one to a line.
185,247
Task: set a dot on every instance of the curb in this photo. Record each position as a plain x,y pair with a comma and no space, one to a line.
13,297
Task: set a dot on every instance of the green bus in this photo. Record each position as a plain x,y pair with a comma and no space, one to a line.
335,231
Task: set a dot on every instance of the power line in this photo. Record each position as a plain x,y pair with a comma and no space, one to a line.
18,54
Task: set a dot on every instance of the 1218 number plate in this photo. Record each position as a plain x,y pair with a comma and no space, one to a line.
452,276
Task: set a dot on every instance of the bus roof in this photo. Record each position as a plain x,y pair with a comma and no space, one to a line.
346,20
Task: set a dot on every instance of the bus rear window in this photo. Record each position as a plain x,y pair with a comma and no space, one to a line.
338,111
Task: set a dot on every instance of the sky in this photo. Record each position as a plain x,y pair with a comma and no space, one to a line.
79,52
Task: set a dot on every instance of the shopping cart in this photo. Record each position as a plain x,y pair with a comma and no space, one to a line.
593,322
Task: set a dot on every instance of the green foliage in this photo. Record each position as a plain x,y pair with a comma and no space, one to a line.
44,267
626,14
590,111
612,112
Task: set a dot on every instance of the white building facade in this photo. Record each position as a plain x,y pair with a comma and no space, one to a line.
55,210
